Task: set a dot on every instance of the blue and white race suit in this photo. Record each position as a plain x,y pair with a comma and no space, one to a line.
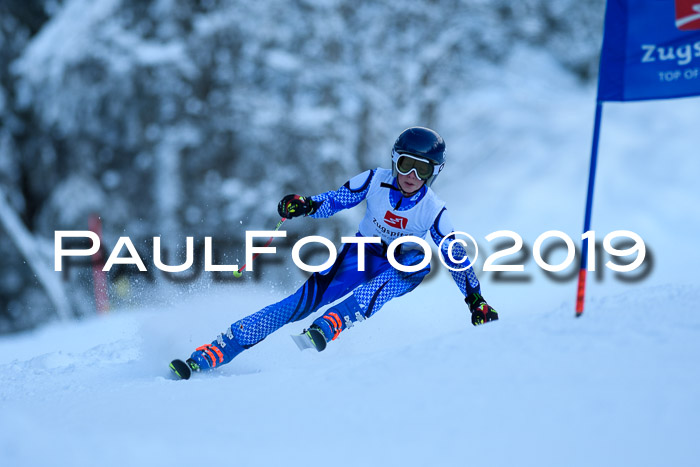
389,215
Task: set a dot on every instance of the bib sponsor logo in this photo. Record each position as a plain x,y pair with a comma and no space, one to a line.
395,221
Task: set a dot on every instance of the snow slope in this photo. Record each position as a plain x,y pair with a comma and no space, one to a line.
617,387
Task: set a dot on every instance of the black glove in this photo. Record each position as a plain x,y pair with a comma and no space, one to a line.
481,311
295,206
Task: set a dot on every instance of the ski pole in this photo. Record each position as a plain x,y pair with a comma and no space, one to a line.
239,273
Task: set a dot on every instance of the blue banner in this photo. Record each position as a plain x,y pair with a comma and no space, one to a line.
651,50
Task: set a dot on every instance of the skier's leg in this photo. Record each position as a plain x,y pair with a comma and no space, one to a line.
371,296
320,289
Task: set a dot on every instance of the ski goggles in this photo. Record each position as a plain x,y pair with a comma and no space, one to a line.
405,163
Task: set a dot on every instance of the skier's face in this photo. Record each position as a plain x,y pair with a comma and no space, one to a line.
409,184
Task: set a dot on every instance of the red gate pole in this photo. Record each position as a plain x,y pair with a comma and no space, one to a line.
99,278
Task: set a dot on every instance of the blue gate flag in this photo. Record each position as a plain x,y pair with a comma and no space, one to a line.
651,50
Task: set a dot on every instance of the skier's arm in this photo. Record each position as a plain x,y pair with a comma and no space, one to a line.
352,193
466,280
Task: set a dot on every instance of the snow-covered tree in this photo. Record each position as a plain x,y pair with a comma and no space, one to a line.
196,117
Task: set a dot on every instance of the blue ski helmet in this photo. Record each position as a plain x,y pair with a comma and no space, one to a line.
422,143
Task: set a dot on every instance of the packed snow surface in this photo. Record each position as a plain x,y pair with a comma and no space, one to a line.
417,386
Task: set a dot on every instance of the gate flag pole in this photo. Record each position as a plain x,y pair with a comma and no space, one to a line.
650,50
580,296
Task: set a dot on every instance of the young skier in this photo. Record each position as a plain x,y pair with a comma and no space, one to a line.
400,202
